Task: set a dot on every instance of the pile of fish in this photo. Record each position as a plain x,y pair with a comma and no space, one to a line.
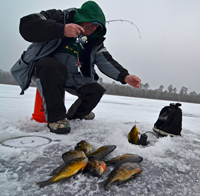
84,158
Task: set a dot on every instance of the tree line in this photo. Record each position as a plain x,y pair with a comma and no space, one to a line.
7,78
145,92
125,90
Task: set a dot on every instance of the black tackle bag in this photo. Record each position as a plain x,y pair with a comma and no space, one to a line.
169,121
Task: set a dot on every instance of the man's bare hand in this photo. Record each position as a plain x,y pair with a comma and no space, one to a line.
133,81
71,30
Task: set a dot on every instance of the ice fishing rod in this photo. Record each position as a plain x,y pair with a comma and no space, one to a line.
117,20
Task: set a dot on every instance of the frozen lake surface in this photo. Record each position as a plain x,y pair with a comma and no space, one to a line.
171,165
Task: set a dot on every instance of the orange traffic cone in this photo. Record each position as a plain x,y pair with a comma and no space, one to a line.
38,114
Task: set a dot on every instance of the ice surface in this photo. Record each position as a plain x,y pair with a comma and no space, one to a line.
171,166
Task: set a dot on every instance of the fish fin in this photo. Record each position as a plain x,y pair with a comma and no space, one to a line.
112,164
85,171
114,146
101,184
55,171
42,184
91,158
134,175
64,157
107,163
123,182
79,171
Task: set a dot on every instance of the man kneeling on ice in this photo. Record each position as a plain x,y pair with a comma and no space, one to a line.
66,46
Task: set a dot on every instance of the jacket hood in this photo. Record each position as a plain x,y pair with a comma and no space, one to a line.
91,12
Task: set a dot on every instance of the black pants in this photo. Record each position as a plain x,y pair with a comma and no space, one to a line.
53,76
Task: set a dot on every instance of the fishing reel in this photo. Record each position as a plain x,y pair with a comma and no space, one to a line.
143,140
81,39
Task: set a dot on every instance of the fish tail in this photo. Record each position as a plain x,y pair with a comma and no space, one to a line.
109,163
101,184
53,173
44,183
107,185
141,159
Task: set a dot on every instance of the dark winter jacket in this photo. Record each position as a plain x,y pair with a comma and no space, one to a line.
45,30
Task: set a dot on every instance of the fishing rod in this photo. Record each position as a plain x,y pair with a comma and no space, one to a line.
125,21
80,39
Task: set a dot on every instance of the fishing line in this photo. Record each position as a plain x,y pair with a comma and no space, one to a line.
125,21
152,133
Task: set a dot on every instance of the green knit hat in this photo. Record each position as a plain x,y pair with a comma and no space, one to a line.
91,12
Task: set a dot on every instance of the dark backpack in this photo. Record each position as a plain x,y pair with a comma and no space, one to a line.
169,120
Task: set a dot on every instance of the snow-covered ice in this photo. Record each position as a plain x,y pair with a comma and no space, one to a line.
171,165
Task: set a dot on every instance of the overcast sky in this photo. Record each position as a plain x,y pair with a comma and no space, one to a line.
167,53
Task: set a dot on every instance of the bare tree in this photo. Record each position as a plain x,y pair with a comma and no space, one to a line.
170,88
183,91
146,86
161,88
174,90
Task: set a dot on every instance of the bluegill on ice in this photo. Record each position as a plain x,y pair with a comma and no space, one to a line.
101,152
84,146
69,169
122,174
124,158
67,157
